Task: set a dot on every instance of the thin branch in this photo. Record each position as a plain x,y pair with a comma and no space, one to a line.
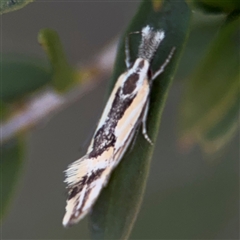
44,103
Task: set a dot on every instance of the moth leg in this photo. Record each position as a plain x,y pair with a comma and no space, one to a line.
144,121
161,69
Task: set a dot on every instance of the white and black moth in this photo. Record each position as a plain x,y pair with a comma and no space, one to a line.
127,107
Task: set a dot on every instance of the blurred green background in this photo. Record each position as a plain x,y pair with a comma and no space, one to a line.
189,195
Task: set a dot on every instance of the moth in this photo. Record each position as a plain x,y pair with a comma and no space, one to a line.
126,109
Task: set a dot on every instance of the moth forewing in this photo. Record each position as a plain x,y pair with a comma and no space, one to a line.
131,117
85,178
107,107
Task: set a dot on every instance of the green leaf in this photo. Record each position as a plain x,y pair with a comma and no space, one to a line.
218,6
12,5
115,212
213,90
3,110
10,164
222,132
64,76
21,75
203,30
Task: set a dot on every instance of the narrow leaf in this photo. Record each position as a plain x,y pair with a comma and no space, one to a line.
21,75
213,89
116,210
3,110
10,165
223,131
216,6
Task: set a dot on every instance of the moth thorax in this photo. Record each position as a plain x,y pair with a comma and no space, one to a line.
149,43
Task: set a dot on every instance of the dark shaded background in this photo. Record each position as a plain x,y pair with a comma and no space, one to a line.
188,196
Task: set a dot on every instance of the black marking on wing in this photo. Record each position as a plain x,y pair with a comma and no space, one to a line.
105,136
95,175
118,108
74,190
131,82
87,179
85,199
102,141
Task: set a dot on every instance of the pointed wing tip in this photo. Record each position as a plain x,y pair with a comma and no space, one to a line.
70,218
66,220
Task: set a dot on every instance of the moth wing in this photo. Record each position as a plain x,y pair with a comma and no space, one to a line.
85,178
108,106
80,205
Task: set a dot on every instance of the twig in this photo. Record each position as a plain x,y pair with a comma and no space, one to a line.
44,103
